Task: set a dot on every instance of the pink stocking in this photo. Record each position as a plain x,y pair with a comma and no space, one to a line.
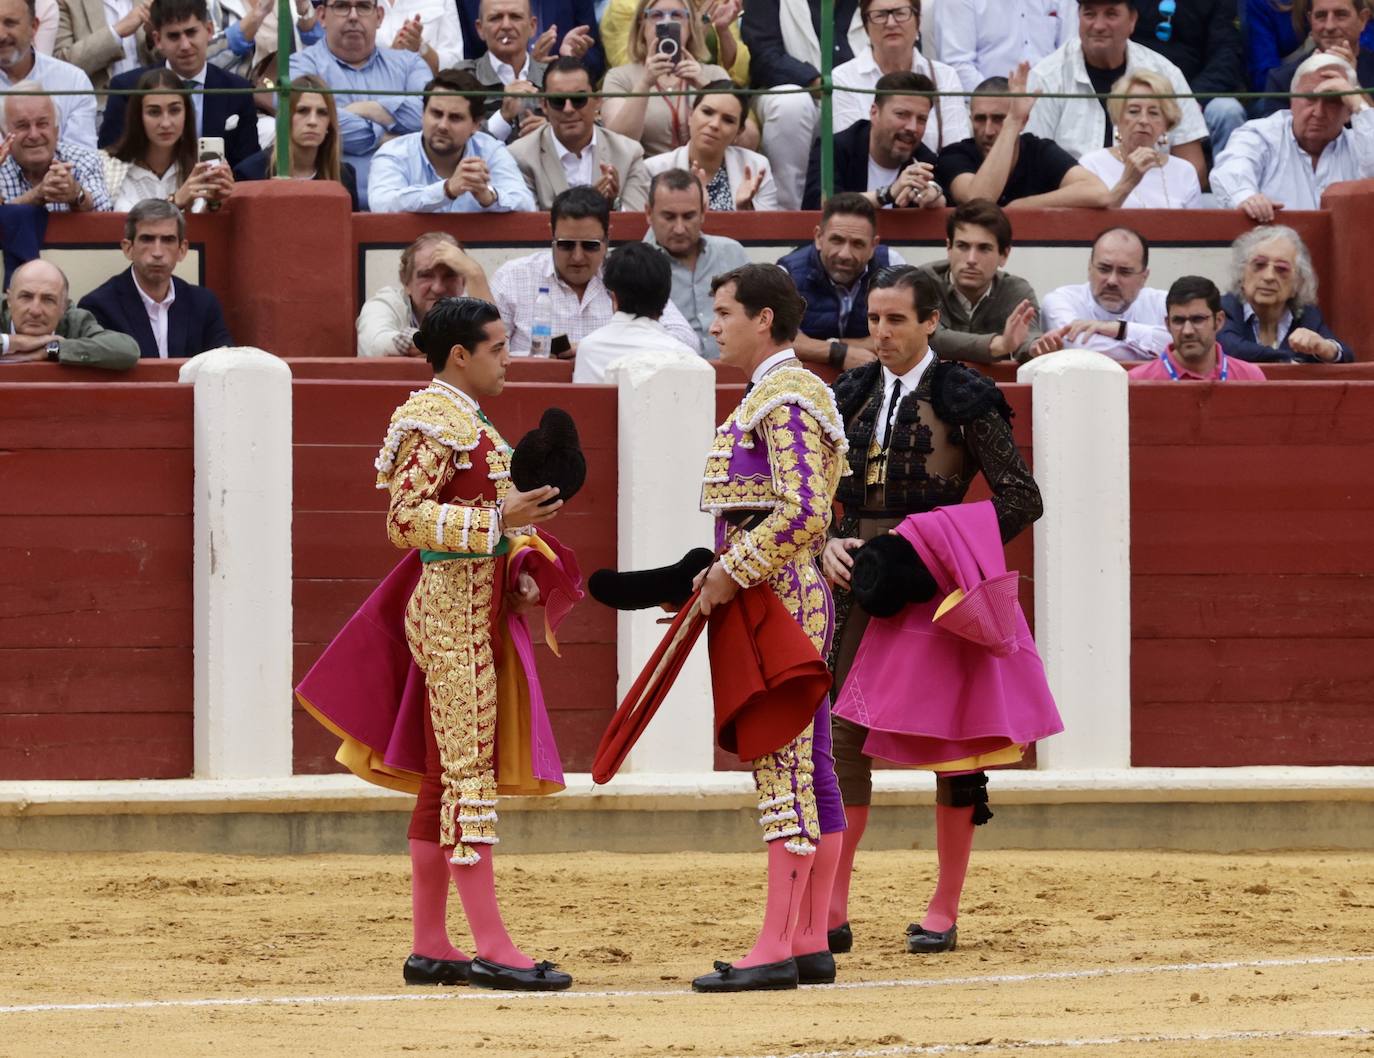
788,873
429,901
857,817
953,843
477,889
809,936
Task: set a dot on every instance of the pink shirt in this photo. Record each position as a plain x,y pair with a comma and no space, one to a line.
1227,368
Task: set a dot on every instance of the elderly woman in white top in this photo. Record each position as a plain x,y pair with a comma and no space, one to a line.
734,178
1139,162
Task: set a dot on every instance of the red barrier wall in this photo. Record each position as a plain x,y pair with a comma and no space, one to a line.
1252,515
95,581
341,551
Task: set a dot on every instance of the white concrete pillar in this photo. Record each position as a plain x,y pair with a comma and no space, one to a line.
666,416
1082,554
242,571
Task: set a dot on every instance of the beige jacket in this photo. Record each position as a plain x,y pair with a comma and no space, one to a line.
538,158
86,40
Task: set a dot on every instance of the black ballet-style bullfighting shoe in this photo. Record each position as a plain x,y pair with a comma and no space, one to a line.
770,977
817,968
421,970
541,977
840,939
924,941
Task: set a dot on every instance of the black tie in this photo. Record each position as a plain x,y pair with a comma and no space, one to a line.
892,413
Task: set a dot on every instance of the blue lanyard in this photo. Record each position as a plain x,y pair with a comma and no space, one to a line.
1173,372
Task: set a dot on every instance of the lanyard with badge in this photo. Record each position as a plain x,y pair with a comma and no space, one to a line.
1173,371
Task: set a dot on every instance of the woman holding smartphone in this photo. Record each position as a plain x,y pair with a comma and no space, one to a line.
667,54
1138,166
315,150
156,156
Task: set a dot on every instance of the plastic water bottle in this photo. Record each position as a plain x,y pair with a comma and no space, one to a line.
541,330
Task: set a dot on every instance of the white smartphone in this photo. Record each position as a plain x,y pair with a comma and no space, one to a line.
210,149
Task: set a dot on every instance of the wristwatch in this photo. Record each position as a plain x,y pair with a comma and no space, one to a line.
1121,332
838,351
54,349
884,195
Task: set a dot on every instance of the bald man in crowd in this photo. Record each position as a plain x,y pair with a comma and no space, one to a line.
39,323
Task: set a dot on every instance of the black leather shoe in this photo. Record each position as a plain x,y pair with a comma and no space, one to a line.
541,977
420,970
817,968
769,977
922,941
840,939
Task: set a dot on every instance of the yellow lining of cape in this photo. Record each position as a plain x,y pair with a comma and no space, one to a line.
1006,755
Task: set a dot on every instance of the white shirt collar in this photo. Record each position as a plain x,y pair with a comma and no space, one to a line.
149,302
453,391
1285,321
506,72
563,151
868,62
199,78
912,376
776,360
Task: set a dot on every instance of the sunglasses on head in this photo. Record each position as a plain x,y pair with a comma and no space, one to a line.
569,245
561,102
1165,30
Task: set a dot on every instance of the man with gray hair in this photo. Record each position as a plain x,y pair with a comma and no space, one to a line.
1289,159
42,168
167,316
38,322
434,266
20,61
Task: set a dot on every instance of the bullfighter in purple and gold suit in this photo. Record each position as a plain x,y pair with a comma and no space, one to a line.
770,481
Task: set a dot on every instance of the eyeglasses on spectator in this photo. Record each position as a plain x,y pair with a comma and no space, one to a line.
899,15
561,102
569,245
1165,29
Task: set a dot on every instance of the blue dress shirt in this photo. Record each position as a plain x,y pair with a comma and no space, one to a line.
403,181
386,70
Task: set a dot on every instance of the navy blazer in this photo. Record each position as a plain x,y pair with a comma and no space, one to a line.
1238,338
194,324
565,14
851,163
239,142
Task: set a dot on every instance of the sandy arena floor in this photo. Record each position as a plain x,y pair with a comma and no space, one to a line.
1102,955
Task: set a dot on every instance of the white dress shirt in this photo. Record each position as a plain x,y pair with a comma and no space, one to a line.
580,169
862,72
140,183
515,285
386,325
158,311
776,360
624,336
439,27
1263,157
907,382
1146,334
1080,125
1172,186
196,80
114,11
75,113
988,38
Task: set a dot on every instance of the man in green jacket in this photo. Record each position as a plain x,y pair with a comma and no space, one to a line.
38,322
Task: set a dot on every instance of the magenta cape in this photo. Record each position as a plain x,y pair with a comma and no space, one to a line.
367,689
929,696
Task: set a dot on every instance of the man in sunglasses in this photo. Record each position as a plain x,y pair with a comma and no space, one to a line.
572,151
1075,77
449,166
1201,38
571,271
349,61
